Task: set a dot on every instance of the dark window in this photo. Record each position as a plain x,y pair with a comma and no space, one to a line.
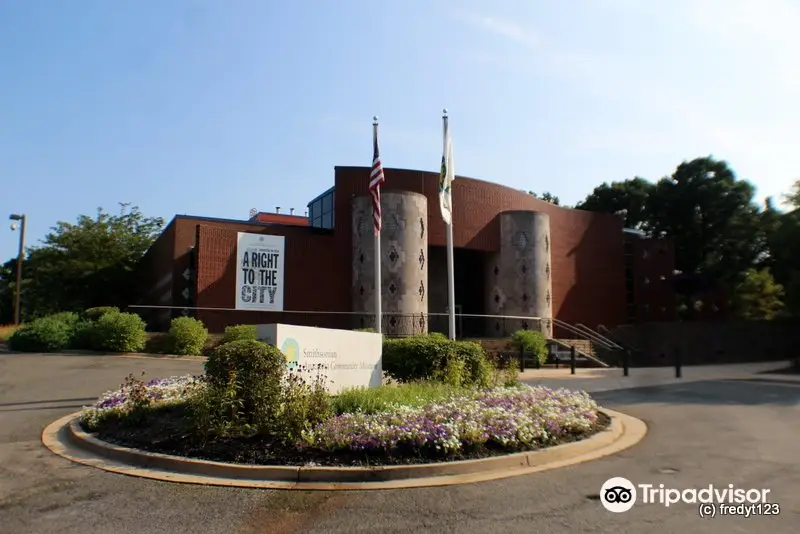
327,220
326,203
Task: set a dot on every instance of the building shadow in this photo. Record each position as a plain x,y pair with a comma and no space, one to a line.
597,292
51,401
733,392
43,408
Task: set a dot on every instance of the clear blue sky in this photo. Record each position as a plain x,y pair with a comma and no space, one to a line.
216,107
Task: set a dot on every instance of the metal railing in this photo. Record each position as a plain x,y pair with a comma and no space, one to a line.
392,324
610,335
599,338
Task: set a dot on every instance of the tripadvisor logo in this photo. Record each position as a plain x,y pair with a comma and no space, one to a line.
618,495
291,349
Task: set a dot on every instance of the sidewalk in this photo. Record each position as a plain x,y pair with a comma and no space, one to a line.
596,380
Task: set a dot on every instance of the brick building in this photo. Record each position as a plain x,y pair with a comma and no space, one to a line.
515,256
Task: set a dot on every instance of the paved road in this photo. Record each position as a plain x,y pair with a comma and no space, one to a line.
744,433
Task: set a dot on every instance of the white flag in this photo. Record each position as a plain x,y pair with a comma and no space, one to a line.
446,177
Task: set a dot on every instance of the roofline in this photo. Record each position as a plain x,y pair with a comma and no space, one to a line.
332,188
217,219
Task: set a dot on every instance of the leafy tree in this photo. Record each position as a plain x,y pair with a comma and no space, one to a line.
711,216
88,263
782,232
547,197
8,274
627,198
793,198
758,296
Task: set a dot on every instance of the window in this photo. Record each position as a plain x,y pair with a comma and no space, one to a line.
321,211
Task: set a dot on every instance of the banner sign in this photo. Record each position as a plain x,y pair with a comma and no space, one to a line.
259,272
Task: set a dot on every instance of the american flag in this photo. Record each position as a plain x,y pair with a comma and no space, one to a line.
376,179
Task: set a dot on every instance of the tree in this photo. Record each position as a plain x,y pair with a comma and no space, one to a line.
88,263
627,198
758,296
782,232
793,198
711,216
547,197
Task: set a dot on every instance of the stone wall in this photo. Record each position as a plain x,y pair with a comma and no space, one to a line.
404,262
519,276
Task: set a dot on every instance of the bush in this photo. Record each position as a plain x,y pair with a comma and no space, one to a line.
370,330
245,381
93,314
83,334
531,341
239,332
68,318
187,336
434,356
47,334
305,405
118,332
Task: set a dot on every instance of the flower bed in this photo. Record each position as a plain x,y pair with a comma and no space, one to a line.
464,424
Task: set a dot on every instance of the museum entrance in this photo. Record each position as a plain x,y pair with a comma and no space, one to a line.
470,267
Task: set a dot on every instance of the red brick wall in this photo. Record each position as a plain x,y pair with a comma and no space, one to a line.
312,283
587,248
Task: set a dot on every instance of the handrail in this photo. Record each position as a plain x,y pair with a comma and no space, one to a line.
592,336
613,345
605,328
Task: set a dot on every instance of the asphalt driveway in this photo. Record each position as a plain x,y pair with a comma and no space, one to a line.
701,433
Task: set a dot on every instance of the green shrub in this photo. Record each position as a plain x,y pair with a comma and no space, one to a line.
452,372
187,336
68,318
305,405
375,400
371,330
118,332
239,332
429,356
247,375
93,314
82,335
47,334
531,341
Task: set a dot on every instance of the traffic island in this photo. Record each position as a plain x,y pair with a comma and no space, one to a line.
66,438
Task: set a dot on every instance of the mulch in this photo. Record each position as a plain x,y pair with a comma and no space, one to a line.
171,431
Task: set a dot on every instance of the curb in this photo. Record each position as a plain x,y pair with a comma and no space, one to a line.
65,438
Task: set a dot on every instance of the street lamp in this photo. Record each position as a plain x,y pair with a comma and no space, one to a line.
22,219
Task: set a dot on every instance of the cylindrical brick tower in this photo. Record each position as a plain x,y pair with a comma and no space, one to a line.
519,275
404,265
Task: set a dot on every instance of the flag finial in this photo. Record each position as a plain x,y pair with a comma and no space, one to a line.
445,113
374,120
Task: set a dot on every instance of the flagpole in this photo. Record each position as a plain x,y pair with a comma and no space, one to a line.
377,259
451,289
